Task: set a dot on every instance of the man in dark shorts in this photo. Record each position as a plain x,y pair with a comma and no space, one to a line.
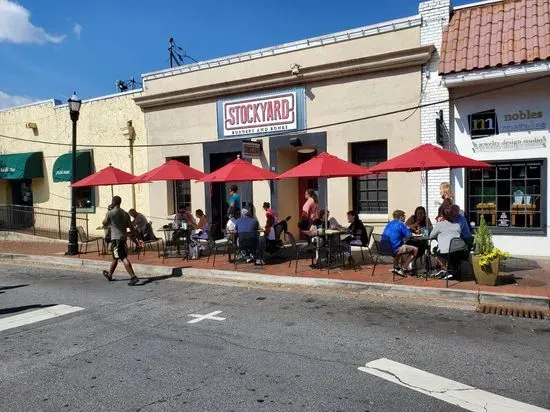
119,221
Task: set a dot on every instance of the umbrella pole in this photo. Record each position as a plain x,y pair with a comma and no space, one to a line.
112,193
426,183
326,203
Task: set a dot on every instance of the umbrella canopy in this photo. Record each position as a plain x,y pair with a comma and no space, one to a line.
106,177
325,165
238,170
426,157
171,170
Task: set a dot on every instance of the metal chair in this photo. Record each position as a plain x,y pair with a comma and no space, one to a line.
85,239
216,245
458,250
299,249
357,236
245,242
383,248
149,242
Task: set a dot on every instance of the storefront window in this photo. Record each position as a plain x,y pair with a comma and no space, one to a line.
370,193
181,188
85,199
509,194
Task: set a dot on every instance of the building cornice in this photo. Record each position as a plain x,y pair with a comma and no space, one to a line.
388,61
366,31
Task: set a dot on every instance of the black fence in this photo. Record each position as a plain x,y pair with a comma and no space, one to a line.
38,221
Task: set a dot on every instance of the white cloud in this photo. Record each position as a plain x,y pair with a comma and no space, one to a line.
15,26
7,100
77,30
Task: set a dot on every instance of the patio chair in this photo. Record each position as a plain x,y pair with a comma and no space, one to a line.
369,229
299,249
85,239
383,248
245,242
458,251
217,245
151,240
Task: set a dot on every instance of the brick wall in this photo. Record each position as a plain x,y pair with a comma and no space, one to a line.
435,15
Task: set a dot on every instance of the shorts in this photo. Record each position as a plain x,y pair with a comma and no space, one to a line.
406,250
119,249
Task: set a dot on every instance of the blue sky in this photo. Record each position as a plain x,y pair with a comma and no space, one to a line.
50,48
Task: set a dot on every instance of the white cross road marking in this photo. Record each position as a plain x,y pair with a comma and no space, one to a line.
210,315
456,393
36,316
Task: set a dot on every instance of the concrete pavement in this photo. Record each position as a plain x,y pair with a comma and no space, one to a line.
132,348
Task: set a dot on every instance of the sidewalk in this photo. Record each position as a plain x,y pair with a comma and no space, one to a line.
520,277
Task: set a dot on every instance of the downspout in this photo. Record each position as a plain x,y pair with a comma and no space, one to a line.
130,132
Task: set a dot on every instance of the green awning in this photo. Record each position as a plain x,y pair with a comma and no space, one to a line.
21,166
62,166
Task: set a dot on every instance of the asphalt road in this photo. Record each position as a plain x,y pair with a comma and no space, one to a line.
132,348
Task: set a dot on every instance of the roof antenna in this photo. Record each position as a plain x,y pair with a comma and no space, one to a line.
177,54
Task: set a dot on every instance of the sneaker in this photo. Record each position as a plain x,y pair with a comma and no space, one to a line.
249,260
399,270
449,276
106,274
133,281
260,262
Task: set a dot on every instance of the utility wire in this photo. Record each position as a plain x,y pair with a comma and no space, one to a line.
306,129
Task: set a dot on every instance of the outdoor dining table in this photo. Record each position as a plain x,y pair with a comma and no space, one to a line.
168,239
328,236
417,239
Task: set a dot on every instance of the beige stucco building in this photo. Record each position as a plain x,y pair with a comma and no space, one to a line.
352,94
315,95
44,130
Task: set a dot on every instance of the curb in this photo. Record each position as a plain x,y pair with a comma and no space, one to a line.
466,296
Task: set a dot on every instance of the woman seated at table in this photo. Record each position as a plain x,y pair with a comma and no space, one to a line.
419,221
444,231
201,225
358,232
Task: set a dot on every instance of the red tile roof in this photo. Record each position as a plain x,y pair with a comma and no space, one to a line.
497,34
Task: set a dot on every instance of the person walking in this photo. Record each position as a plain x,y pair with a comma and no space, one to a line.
119,221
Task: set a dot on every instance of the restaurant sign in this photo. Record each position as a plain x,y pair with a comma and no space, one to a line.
252,150
261,114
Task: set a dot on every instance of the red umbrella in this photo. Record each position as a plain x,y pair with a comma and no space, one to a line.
327,166
426,157
106,177
171,170
238,171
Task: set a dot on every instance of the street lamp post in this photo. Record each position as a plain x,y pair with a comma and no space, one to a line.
74,111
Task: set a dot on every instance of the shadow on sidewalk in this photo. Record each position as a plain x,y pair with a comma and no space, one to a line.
176,273
13,287
16,309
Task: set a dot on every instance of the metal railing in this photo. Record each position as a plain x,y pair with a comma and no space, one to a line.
38,221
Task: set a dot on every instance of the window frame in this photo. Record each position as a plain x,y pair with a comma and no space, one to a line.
510,230
379,177
185,159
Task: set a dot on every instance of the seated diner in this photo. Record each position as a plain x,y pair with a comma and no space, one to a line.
444,231
419,221
398,234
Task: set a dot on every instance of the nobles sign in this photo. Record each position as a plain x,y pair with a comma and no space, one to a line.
261,114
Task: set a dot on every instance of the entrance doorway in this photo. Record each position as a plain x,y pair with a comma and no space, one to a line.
21,192
219,192
21,195
305,184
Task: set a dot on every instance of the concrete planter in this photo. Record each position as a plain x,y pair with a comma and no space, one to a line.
486,275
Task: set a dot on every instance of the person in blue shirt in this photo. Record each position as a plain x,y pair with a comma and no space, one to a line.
465,233
247,227
234,201
397,234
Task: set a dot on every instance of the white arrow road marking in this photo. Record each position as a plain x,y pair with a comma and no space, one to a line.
210,315
456,393
36,316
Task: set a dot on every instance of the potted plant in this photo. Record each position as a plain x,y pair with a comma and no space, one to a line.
486,258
